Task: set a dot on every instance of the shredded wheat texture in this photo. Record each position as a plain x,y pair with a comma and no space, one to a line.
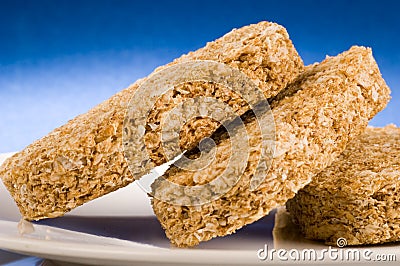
357,197
84,159
325,108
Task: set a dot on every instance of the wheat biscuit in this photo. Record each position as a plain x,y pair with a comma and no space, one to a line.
325,108
84,159
357,197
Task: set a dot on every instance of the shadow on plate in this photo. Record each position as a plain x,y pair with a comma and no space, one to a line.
147,230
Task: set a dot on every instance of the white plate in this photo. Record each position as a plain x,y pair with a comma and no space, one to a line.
121,229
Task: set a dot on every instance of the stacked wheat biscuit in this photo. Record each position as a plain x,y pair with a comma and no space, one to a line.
317,111
357,197
84,159
317,115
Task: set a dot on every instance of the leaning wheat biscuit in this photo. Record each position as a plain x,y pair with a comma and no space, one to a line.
315,117
84,159
357,197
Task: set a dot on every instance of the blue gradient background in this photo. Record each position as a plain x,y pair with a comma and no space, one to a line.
60,58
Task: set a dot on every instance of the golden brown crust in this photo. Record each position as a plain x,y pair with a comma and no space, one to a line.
357,197
83,159
328,105
262,51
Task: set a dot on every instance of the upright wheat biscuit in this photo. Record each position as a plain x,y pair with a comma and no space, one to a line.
84,159
328,105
